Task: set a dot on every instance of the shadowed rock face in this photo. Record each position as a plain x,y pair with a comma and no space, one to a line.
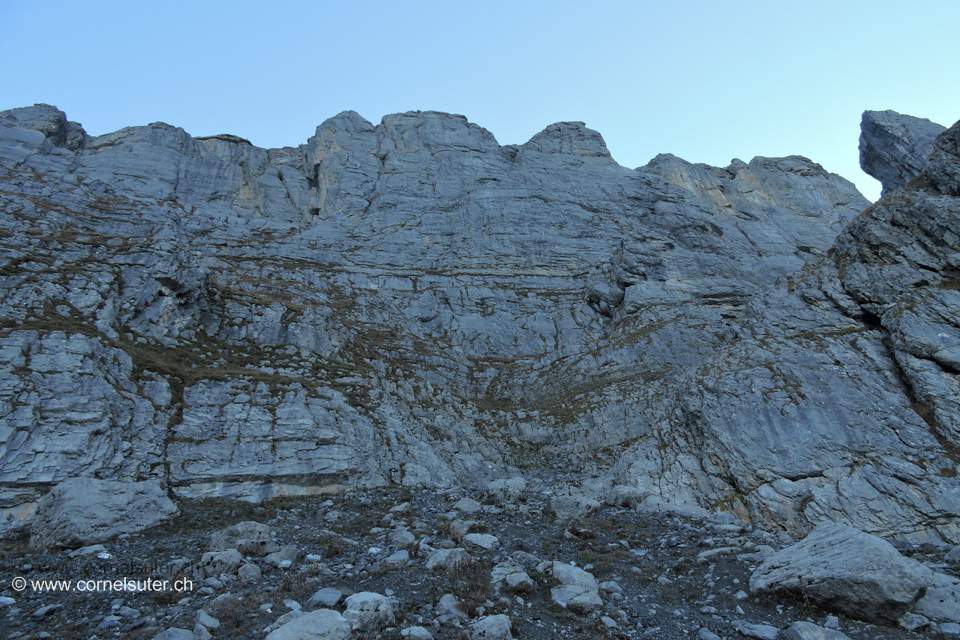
413,303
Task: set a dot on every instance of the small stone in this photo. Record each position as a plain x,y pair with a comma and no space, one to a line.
368,612
832,622
482,540
609,622
249,572
742,595
758,631
801,630
706,634
447,606
402,538
492,628
174,633
416,633
108,622
213,563
85,551
459,528
327,596
398,558
447,558
611,587
949,628
467,505
913,622
207,620
47,610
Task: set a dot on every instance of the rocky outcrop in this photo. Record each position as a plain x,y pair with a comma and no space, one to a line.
83,511
412,303
894,148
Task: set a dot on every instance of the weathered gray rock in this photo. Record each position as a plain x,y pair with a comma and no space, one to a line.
447,558
941,601
506,490
249,538
399,558
448,606
322,624
82,511
894,148
519,581
757,631
207,620
175,633
578,588
467,505
802,630
913,622
847,571
327,596
491,628
214,563
249,572
482,540
368,612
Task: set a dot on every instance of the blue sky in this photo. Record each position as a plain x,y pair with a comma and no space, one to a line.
707,81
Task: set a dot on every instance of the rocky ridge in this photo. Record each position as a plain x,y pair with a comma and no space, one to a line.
414,304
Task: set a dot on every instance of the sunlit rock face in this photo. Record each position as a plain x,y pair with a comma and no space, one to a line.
413,303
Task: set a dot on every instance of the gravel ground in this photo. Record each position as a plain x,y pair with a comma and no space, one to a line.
654,579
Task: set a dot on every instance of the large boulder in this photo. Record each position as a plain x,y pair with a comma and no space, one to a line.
322,624
842,569
84,511
894,148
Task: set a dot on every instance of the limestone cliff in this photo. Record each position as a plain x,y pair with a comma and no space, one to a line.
414,303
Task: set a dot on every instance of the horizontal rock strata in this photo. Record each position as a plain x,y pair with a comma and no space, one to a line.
413,303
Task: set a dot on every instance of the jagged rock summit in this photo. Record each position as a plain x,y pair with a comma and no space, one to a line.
412,303
894,148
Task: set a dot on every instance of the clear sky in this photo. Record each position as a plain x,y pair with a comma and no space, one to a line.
707,81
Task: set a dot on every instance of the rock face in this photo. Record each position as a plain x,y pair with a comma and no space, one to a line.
412,303
894,148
